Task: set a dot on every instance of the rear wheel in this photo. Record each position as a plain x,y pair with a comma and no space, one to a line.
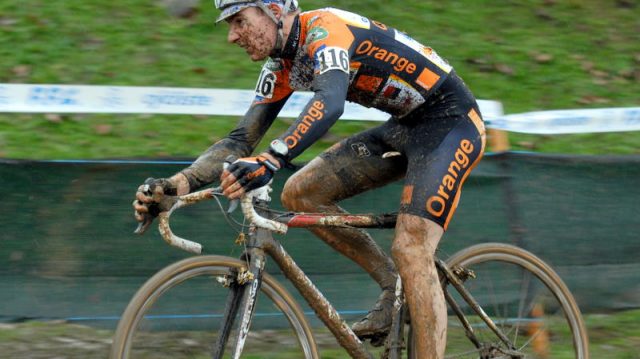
178,312
525,298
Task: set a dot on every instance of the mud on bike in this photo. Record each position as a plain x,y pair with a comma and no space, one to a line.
503,302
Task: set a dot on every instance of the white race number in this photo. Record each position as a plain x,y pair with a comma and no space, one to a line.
266,83
333,58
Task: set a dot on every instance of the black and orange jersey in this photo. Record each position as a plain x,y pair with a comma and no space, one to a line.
344,56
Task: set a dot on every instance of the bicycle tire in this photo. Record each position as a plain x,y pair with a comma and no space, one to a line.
488,254
210,265
540,331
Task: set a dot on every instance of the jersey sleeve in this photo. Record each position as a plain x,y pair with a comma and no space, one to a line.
320,113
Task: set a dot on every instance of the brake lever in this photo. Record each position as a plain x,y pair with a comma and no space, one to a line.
233,205
144,225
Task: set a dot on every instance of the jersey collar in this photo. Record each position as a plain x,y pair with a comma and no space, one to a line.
290,48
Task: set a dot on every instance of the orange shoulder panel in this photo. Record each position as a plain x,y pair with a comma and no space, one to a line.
323,28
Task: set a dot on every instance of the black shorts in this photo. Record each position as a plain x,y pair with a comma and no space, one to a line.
439,144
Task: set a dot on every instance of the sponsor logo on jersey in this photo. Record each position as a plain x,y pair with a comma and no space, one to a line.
437,204
314,113
315,34
399,63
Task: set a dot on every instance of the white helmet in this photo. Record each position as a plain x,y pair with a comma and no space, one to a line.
232,7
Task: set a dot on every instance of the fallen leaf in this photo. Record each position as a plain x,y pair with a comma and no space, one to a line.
543,58
600,81
185,9
21,70
627,73
592,99
504,69
103,129
599,74
544,15
587,65
7,22
626,4
51,117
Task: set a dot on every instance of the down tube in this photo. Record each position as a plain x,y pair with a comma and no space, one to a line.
323,309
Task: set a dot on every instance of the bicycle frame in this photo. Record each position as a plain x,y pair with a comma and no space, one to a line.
260,244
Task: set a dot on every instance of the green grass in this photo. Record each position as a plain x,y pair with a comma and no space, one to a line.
612,336
531,55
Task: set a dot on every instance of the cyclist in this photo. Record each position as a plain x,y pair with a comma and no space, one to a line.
433,139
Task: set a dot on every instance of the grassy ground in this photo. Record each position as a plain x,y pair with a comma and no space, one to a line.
531,55
612,336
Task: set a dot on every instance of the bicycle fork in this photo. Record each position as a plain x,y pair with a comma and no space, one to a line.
240,304
457,280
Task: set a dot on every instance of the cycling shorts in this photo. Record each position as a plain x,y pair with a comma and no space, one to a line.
439,144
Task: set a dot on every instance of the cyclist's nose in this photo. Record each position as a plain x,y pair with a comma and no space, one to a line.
232,36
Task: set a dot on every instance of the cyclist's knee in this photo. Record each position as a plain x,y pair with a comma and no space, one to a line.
295,196
415,238
310,188
302,194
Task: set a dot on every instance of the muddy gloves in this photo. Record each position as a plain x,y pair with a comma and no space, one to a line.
151,199
246,174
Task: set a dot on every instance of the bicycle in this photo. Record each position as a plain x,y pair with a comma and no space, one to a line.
540,319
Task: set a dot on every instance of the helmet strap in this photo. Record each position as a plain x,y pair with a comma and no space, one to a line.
276,53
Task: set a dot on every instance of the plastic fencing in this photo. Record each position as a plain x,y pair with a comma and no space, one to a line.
67,250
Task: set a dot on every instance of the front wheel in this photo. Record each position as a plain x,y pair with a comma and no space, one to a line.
525,298
178,312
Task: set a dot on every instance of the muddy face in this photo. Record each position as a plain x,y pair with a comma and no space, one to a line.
254,31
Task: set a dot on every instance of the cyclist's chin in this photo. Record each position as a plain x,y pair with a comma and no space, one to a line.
255,56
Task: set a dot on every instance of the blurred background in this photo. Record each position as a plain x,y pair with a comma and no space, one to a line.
69,262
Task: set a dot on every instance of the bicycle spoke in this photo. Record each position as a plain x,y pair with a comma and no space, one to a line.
171,318
514,286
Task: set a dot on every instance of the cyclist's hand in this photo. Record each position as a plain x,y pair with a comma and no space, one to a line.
149,201
246,174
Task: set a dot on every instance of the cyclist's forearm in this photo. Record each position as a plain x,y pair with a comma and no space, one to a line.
207,168
181,182
240,143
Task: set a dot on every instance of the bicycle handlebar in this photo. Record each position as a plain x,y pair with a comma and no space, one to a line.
247,209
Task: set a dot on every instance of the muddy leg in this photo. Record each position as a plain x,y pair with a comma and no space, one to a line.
413,251
316,188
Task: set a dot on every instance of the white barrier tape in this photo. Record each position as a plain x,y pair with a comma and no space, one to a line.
22,98
570,121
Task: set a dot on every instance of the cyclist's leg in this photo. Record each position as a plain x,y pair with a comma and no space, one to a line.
441,153
346,169
413,251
